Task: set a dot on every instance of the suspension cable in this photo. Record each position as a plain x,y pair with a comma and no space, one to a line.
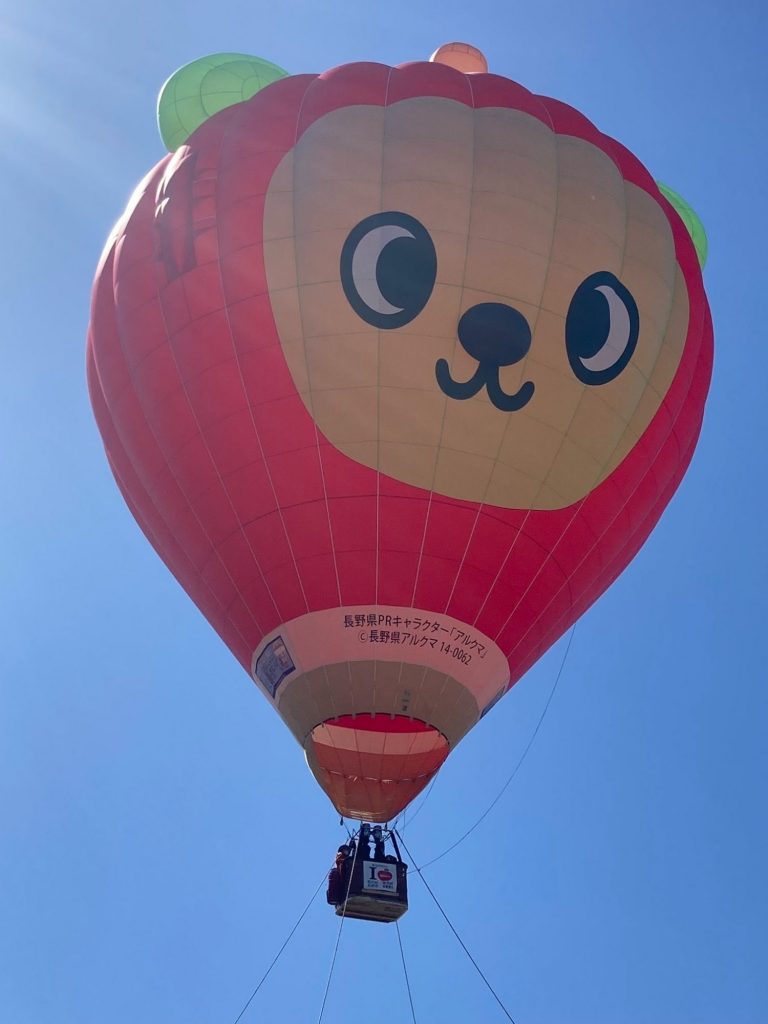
421,805
279,952
458,937
405,972
338,935
515,770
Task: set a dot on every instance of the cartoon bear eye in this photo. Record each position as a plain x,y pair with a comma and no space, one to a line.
388,269
601,328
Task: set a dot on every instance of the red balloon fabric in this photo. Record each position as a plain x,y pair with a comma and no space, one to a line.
397,369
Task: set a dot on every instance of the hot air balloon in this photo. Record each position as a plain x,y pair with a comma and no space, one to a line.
396,368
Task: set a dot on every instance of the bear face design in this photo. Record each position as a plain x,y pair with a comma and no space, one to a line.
470,302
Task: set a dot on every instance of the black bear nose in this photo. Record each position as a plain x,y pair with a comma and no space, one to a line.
495,334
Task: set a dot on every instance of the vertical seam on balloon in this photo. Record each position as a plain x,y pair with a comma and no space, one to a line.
460,564
455,343
521,527
119,333
672,479
326,735
607,147
461,715
329,743
585,388
419,563
457,695
345,775
406,773
620,561
556,137
398,685
377,553
317,718
310,394
385,117
159,547
495,458
242,110
649,470
383,751
662,332
550,555
482,503
362,776
225,490
331,694
577,507
403,762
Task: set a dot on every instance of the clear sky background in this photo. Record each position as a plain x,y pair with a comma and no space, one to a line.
159,830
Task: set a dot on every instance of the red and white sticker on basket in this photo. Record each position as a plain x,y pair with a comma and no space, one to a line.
379,877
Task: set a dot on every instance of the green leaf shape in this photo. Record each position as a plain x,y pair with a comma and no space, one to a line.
202,88
691,220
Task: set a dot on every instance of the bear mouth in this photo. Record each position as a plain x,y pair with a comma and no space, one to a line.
485,376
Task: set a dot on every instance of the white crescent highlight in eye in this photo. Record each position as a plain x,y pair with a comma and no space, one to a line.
364,262
618,335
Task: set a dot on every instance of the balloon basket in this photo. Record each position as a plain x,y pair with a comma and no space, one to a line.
369,885
367,903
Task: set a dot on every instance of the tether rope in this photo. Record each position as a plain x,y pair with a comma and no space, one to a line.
459,939
279,952
421,805
338,936
515,770
405,972
401,816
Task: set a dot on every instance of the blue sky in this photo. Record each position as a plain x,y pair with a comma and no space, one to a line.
160,831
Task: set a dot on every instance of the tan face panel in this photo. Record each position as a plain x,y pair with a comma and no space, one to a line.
519,218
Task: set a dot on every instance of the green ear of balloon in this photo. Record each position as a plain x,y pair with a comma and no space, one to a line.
691,220
202,88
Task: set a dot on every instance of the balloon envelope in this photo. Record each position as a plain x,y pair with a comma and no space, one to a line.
396,368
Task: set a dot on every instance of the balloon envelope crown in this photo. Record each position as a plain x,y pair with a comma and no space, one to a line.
208,85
